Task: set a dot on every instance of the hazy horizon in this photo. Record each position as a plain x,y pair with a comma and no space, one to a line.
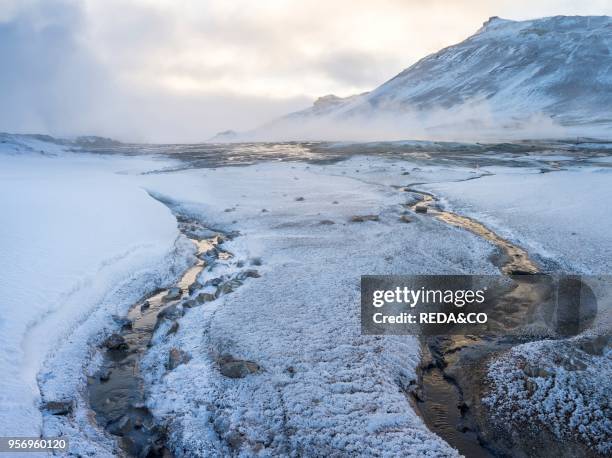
163,71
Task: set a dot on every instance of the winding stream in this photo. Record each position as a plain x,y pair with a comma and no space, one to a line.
516,261
117,393
451,375
453,368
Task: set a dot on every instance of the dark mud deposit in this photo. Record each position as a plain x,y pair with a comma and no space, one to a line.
117,393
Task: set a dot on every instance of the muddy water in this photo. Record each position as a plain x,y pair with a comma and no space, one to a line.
116,393
453,368
517,260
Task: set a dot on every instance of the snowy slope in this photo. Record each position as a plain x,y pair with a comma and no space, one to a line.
73,231
554,72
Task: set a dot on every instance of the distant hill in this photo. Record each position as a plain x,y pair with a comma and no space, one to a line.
547,77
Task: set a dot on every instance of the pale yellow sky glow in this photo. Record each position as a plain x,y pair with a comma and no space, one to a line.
182,70
286,49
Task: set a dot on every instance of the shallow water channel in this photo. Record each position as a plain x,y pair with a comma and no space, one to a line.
453,367
116,393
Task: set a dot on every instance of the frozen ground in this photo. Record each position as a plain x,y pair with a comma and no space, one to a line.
92,241
561,215
559,387
75,234
324,388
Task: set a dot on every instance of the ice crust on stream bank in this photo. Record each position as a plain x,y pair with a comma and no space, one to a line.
80,240
323,388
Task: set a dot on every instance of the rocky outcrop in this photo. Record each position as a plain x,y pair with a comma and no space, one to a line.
176,357
236,368
173,294
116,342
364,218
60,407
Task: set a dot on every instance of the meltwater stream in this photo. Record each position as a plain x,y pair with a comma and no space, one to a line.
453,367
116,393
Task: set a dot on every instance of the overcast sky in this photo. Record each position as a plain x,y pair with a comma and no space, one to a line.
178,70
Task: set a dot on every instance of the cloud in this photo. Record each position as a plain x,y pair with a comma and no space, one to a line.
162,70
52,81
44,68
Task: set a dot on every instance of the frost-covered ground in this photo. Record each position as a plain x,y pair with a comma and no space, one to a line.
560,215
83,240
562,388
324,388
84,234
79,242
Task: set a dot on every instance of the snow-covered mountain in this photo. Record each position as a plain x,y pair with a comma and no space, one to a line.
543,77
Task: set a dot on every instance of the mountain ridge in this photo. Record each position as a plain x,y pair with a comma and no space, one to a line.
508,78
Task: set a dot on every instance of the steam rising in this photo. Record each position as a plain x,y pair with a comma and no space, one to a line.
468,123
